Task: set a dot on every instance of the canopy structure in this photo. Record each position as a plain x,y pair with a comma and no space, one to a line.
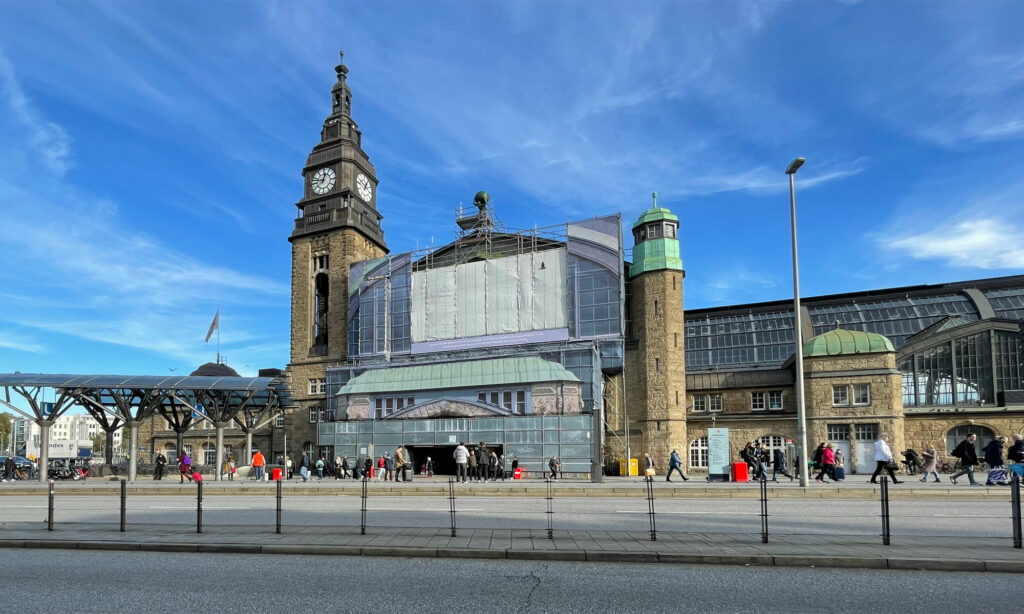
126,400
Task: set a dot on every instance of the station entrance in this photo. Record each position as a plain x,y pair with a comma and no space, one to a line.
444,461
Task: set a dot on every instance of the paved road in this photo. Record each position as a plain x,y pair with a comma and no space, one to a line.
109,582
787,516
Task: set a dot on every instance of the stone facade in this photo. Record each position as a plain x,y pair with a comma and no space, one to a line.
655,369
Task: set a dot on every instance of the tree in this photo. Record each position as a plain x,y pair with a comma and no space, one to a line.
98,443
5,428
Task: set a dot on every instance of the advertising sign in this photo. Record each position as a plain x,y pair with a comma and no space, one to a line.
718,455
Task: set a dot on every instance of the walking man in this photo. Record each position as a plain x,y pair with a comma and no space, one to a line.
968,456
779,464
883,459
461,456
553,465
675,464
401,464
304,467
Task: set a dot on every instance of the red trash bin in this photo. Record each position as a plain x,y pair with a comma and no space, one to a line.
276,474
517,474
739,472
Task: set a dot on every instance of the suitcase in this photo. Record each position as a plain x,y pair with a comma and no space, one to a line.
999,477
198,477
840,473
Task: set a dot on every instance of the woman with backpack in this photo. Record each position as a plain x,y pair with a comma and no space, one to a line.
185,468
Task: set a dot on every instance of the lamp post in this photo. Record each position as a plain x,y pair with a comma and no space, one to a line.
801,416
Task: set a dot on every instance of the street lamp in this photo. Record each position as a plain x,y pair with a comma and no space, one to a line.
801,416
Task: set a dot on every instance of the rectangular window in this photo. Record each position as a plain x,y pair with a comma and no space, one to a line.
757,401
322,414
840,395
700,403
481,397
506,400
400,403
862,394
521,402
312,415
775,400
312,385
322,389
866,432
279,421
839,432
657,364
410,401
494,397
715,402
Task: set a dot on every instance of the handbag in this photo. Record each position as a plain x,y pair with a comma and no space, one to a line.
891,465
649,471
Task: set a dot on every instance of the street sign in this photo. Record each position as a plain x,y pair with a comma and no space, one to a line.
46,409
718,455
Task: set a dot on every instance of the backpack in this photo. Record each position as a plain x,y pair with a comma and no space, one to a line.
958,451
816,457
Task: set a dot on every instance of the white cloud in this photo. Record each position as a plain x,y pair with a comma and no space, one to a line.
989,243
16,341
48,140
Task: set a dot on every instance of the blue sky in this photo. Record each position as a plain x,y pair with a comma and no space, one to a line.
150,153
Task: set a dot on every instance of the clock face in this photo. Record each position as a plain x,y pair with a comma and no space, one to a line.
365,187
323,181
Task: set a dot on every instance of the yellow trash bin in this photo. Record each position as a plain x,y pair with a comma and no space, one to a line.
634,466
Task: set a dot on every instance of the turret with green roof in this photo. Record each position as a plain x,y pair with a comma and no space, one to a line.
656,241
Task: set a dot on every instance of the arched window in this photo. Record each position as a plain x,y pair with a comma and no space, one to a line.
699,453
772,442
308,448
958,434
171,452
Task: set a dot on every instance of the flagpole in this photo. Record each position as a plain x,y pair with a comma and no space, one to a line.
218,334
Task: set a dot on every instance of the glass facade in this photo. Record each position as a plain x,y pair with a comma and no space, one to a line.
594,302
532,439
1007,303
739,340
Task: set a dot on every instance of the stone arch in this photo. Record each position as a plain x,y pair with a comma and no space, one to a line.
957,433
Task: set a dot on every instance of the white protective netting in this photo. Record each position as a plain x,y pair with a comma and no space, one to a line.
514,294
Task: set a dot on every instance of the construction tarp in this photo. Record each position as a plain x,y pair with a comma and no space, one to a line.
514,294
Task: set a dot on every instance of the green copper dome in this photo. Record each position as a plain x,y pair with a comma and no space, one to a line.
654,214
841,341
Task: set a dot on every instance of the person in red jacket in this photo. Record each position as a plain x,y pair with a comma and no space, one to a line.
257,465
828,463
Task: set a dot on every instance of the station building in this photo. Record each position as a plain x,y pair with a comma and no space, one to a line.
548,342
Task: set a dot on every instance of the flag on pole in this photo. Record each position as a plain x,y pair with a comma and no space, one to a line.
213,325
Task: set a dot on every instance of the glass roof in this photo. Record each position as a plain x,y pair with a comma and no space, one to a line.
152,382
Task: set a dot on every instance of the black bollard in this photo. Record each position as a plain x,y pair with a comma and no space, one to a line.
1015,509
764,508
124,502
451,503
650,509
199,507
49,510
279,484
551,511
885,510
362,522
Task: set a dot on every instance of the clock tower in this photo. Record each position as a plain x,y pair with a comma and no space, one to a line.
337,224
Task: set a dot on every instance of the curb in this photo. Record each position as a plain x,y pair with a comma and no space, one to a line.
594,556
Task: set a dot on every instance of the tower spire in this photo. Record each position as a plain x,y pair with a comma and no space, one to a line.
341,95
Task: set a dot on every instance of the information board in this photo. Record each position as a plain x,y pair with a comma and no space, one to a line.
718,455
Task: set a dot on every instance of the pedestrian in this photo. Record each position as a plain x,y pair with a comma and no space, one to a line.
883,459
9,468
473,475
368,468
931,463
779,464
1016,452
816,456
994,457
515,463
357,468
461,456
161,462
257,464
761,460
288,467
501,467
304,467
401,464
344,467
968,456
319,468
382,468
428,467
649,469
839,468
492,466
675,464
828,463
232,468
553,465
481,462
184,468
389,467
747,456
338,473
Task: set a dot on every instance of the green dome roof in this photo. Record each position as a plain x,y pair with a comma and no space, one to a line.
655,213
841,341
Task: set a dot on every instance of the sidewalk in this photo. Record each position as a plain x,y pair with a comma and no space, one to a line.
854,488
921,553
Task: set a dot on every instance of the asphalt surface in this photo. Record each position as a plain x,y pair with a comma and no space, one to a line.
984,518
38,581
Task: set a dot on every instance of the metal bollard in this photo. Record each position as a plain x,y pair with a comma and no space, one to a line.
49,510
451,503
362,522
885,510
764,508
124,502
551,512
1015,509
279,484
199,507
650,509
